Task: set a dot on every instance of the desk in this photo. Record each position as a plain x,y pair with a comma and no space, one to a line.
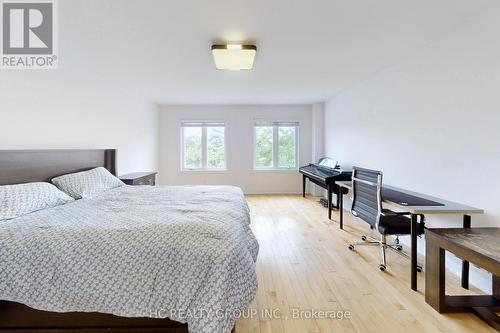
444,207
478,245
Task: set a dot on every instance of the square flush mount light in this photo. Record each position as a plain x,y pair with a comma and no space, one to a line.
234,57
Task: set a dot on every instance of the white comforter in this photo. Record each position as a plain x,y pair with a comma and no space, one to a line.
186,253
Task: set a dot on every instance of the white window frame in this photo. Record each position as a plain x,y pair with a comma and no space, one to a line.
204,148
276,124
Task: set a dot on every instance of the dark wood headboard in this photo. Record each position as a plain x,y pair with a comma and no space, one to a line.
25,166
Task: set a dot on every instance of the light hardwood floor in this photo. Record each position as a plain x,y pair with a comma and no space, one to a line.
304,263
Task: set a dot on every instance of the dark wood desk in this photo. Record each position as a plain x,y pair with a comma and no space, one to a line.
480,246
428,208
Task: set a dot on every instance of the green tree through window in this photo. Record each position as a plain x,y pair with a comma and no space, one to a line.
286,139
192,147
264,147
215,147
276,145
203,146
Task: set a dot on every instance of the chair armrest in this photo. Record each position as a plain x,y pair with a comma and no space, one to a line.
387,212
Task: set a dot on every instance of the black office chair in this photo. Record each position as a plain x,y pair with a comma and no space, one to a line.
367,205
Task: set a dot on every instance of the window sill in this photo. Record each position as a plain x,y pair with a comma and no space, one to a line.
200,171
275,171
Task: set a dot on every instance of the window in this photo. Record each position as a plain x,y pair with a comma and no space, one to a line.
276,145
203,146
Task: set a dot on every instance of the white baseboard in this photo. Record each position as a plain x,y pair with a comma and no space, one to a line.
270,193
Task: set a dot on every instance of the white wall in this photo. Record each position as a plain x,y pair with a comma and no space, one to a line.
318,143
239,152
65,108
431,123
92,100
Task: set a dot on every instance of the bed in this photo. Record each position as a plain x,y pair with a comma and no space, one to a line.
132,259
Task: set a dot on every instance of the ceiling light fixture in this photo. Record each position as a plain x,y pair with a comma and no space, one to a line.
234,57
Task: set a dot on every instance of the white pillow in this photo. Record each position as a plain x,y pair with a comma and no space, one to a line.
21,199
86,184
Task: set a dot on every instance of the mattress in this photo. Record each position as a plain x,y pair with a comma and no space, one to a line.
182,252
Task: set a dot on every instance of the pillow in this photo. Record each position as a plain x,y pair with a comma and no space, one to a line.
22,199
86,184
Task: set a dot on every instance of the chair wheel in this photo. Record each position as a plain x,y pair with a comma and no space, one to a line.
399,248
396,241
363,238
382,267
351,247
419,269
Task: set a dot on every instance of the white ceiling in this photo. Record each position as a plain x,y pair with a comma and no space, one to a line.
307,50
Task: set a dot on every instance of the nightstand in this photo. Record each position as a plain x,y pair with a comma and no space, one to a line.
139,178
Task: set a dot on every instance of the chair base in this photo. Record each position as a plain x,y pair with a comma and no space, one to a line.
382,244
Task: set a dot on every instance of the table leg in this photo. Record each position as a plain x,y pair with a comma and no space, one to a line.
337,197
465,264
434,274
341,207
303,186
413,276
495,286
489,314
330,190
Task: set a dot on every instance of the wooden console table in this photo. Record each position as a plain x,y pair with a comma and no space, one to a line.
480,246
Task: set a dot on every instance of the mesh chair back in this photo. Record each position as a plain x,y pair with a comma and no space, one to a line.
367,201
